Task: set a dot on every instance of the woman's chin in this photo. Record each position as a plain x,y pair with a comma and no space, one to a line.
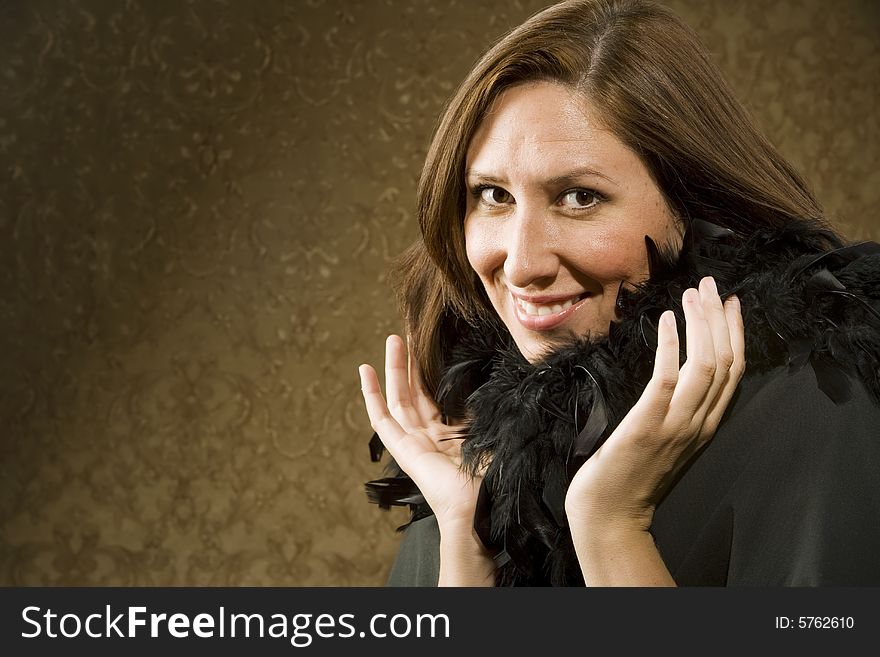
534,350
535,346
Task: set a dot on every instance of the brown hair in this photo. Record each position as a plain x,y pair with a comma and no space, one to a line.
655,89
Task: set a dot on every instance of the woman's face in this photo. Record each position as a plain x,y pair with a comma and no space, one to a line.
557,214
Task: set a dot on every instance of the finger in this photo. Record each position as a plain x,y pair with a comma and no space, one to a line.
737,342
698,372
716,318
389,430
737,335
397,384
658,393
423,404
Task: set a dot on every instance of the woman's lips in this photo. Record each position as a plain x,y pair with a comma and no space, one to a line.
549,321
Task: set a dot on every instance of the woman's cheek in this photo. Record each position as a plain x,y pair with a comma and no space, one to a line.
609,258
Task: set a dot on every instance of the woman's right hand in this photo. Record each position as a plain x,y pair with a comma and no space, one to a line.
411,428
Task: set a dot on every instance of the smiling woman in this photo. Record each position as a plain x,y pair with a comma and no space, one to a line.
557,215
637,352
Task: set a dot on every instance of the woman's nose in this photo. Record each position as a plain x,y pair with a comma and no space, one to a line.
532,249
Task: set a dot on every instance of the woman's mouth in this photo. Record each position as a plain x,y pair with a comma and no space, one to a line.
545,316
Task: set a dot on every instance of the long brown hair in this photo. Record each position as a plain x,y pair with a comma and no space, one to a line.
655,89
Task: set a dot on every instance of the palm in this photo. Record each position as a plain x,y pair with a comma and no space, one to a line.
411,428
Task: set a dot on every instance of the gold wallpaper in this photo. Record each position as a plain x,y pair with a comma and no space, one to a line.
198,204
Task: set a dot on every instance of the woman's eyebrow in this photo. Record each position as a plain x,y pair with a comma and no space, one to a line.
473,174
575,174
562,179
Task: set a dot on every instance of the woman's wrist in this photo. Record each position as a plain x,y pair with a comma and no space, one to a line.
464,561
614,552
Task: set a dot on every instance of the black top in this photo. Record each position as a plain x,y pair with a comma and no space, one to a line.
785,494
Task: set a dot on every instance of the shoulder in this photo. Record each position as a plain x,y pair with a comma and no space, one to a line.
782,428
795,406
805,496
784,433
795,446
785,494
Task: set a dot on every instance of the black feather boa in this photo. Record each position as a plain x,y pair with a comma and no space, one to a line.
533,424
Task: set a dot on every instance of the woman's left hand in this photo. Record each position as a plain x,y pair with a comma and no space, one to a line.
611,500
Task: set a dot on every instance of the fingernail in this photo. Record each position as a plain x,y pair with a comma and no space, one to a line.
668,319
694,299
710,285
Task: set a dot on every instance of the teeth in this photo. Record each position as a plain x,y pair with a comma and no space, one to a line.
542,310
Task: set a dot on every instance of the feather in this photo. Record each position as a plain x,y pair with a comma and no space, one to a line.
377,448
393,491
588,439
649,332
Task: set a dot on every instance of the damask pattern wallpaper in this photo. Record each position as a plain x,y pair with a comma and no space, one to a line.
198,204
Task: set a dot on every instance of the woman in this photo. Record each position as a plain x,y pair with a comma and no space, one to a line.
593,185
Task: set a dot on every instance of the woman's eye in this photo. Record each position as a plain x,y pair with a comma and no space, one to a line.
495,196
581,198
